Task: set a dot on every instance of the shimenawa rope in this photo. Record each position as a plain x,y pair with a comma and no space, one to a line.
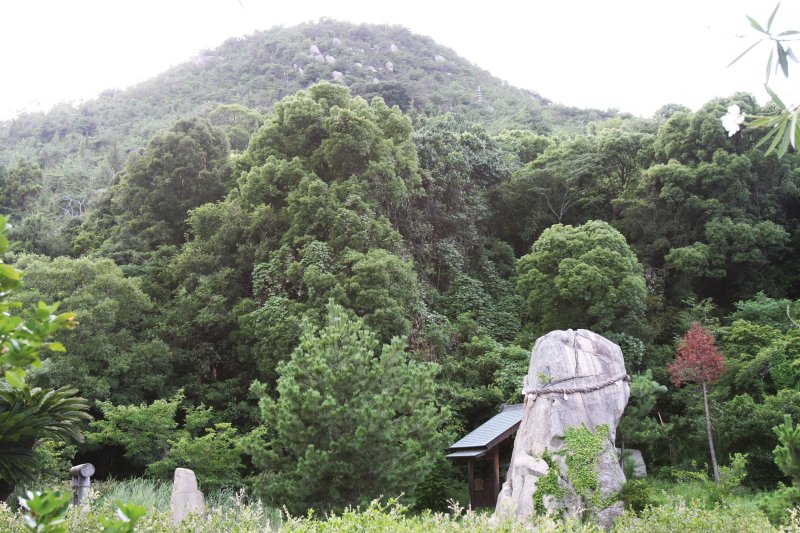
535,393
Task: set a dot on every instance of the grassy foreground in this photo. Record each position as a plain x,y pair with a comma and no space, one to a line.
678,508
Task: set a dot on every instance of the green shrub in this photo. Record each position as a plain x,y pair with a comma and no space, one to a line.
777,505
637,495
442,484
215,458
698,487
683,518
55,459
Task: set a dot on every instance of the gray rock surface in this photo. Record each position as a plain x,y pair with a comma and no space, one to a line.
186,498
314,49
563,362
336,75
389,66
393,48
330,60
639,467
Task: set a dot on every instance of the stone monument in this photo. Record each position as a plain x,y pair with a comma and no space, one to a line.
576,379
186,498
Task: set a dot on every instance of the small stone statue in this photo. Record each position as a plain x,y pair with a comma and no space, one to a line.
81,479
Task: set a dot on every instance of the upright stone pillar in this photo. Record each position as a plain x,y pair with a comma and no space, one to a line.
575,378
186,498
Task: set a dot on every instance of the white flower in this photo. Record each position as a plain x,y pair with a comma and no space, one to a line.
733,120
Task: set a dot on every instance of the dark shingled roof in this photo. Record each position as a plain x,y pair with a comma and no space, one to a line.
487,435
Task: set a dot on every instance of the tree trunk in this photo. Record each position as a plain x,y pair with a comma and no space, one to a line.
710,437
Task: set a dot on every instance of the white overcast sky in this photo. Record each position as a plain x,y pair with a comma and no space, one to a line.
634,55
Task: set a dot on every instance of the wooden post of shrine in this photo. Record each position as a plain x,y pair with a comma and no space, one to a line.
471,482
496,472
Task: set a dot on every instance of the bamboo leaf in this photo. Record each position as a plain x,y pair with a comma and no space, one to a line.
743,53
763,122
767,136
782,60
775,97
755,24
785,139
772,17
769,64
778,136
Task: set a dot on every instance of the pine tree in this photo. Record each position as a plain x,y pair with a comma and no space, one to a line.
351,422
787,453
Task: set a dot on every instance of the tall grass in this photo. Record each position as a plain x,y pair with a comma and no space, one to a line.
149,493
153,494
681,507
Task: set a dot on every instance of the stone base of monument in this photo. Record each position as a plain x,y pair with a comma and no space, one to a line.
186,498
576,379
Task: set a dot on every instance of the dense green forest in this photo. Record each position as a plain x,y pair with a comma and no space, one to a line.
81,148
308,260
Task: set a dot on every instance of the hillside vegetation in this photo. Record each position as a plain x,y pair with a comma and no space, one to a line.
310,291
80,148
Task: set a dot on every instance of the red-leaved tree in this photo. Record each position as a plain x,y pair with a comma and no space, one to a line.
699,361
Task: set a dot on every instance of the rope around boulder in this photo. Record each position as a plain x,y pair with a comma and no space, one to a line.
535,393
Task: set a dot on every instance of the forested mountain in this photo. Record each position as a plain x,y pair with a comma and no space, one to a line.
80,148
267,267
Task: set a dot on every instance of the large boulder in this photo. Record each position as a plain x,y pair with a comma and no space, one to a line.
576,384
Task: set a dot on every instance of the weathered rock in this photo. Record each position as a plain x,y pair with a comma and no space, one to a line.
575,378
186,498
389,66
605,518
636,457
438,58
314,49
336,75
358,64
330,60
393,48
336,41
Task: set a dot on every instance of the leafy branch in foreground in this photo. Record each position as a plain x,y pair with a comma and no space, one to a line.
782,129
29,414
22,336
